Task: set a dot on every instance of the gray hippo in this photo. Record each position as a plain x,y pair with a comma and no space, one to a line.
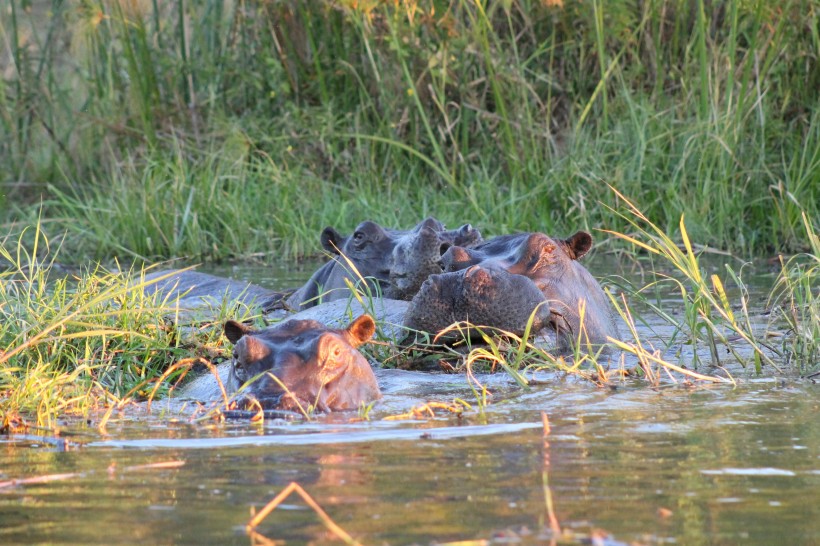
552,264
418,254
480,296
296,365
393,262
314,355
194,290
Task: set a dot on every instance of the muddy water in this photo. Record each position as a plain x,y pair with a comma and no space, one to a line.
674,465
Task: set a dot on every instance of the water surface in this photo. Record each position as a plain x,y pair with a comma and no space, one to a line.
679,464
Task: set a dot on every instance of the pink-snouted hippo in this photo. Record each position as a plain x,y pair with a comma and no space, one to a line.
301,364
580,308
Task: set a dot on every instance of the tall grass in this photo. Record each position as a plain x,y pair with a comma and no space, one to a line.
710,318
71,344
213,119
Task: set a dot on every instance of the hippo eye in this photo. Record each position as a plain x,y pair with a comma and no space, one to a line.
358,236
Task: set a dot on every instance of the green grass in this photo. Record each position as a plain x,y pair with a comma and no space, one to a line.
77,343
212,131
149,130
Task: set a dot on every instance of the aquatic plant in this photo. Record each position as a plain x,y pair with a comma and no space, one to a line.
72,343
795,303
709,317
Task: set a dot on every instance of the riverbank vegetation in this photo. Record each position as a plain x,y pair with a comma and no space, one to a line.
218,130
93,342
221,130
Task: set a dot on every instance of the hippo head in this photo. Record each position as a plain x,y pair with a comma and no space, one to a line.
552,264
480,296
367,250
417,255
304,363
395,262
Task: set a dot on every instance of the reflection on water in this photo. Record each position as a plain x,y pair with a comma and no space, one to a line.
675,465
707,466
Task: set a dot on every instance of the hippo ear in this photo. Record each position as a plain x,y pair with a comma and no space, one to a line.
360,330
332,240
235,330
578,245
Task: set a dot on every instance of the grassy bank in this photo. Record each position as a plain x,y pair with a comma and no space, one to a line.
217,129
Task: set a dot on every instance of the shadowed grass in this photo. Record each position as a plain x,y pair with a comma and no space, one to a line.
220,130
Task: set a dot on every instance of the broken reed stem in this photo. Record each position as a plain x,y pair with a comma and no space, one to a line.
554,525
292,487
428,410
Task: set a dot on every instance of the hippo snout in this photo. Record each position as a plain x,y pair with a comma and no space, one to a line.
456,258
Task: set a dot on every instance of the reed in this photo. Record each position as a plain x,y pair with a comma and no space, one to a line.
168,128
78,343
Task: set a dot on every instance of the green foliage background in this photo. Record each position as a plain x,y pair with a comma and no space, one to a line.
219,129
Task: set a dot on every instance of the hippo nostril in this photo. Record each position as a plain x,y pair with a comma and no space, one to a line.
557,322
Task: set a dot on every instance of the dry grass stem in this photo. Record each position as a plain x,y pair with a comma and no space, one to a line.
294,487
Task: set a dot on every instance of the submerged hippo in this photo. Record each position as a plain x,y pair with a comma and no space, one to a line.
482,297
296,365
320,365
194,290
552,264
394,263
418,254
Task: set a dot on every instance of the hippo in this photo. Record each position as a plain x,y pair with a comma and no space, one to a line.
315,356
194,290
296,365
418,254
393,262
481,296
552,264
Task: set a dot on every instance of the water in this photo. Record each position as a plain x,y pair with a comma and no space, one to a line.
680,464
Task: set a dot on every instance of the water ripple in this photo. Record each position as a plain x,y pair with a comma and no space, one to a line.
338,437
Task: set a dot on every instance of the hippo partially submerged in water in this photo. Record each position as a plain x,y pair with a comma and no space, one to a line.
379,261
479,296
394,263
296,365
514,283
580,308
303,361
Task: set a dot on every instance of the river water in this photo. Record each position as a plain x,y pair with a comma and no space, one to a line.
681,463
